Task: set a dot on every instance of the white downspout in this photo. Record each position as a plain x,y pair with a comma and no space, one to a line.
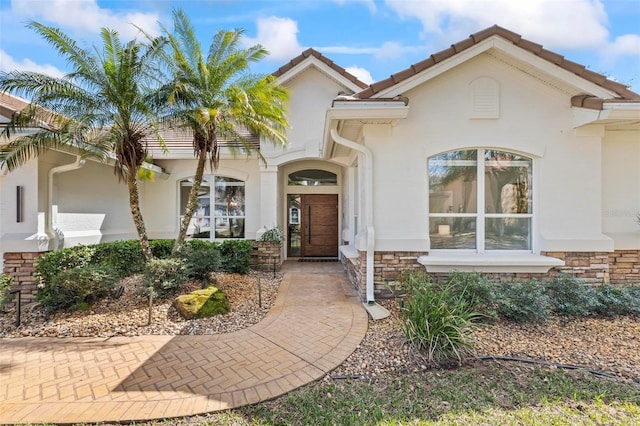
48,222
371,240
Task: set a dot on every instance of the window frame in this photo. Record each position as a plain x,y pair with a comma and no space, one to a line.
212,217
481,215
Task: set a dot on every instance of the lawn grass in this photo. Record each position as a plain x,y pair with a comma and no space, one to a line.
485,393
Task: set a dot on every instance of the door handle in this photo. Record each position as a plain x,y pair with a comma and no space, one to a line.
309,225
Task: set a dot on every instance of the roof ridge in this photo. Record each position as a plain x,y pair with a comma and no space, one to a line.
313,52
516,39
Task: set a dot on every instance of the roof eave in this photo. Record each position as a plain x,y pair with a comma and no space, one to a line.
389,111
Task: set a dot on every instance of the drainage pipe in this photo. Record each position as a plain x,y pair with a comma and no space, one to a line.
48,222
368,178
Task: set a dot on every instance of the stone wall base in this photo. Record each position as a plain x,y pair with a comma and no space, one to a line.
21,267
265,256
618,267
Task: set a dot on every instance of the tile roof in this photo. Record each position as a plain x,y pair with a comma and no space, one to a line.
620,90
311,52
181,140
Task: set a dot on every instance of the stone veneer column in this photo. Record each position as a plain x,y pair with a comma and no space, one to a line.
21,267
266,254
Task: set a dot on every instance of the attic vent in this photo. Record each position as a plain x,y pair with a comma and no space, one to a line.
485,98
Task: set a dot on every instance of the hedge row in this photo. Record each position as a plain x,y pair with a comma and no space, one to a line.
534,300
74,277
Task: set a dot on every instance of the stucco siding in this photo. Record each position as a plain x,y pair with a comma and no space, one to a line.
161,209
534,119
621,181
311,93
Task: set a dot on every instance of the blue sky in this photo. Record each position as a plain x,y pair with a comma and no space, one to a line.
371,38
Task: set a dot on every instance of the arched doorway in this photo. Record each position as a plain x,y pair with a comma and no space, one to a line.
312,219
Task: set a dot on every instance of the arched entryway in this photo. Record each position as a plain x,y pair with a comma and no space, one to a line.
313,205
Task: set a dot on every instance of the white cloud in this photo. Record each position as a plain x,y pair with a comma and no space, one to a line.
8,64
85,17
628,44
572,24
370,4
278,36
393,50
361,73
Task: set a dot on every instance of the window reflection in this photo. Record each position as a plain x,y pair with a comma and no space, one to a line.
500,206
229,207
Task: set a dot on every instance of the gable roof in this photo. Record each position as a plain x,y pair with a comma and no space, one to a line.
311,53
622,91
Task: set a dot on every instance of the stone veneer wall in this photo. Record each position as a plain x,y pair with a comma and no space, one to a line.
265,255
21,267
624,266
618,267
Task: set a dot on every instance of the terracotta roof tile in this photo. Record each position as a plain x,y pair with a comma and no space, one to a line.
403,75
423,65
179,140
621,90
443,54
12,103
311,52
551,56
532,47
462,45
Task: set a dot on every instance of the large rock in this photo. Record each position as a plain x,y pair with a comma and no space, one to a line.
203,303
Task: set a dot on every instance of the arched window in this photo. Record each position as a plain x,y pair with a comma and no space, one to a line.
480,199
313,177
228,199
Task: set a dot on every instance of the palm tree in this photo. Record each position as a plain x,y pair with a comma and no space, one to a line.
100,107
215,97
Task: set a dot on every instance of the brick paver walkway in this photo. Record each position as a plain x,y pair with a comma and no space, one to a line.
315,324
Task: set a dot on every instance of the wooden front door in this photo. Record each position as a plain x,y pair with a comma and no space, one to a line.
319,225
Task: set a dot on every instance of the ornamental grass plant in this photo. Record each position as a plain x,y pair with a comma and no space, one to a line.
437,320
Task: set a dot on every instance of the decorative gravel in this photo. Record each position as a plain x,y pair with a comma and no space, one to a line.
610,345
606,344
128,315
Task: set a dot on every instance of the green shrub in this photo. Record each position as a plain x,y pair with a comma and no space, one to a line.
161,249
201,259
523,301
477,290
273,235
77,287
236,255
570,296
52,263
634,293
436,319
124,256
6,281
617,300
164,276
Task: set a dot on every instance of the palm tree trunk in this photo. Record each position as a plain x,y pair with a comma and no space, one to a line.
191,204
134,203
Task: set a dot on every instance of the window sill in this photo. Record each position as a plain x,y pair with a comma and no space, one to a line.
489,262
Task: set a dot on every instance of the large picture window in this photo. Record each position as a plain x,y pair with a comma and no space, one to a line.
228,198
480,199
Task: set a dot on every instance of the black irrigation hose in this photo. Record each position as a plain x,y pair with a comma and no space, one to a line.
552,364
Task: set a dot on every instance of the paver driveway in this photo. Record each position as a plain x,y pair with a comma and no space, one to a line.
314,325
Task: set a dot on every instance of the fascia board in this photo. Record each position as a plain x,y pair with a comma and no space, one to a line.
553,69
313,61
510,49
436,70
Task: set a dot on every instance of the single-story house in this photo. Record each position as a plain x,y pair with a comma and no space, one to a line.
494,155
